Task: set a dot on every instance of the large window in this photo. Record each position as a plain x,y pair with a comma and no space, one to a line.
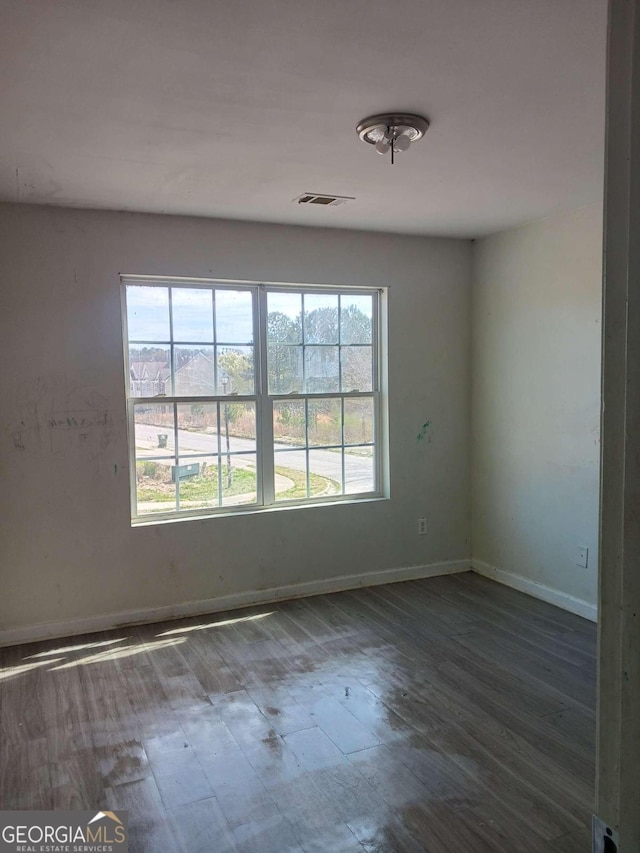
250,395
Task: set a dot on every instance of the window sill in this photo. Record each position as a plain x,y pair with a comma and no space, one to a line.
253,510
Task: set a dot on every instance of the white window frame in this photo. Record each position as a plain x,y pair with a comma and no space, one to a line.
265,455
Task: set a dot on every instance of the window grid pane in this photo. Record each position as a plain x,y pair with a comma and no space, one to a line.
337,439
291,475
211,453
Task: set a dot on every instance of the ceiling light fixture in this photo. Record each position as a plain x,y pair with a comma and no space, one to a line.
392,132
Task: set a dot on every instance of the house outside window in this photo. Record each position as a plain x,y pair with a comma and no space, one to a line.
245,396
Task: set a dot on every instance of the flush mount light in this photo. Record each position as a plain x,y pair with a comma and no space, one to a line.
392,132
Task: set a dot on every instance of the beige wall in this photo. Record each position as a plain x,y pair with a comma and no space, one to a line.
536,320
67,549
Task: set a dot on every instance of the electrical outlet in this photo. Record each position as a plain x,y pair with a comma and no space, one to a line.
422,526
582,558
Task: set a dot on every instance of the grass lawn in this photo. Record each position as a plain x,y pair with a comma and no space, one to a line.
204,487
317,485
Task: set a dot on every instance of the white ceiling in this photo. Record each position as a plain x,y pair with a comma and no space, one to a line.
232,108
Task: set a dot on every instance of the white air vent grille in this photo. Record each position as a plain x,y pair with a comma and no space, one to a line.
323,199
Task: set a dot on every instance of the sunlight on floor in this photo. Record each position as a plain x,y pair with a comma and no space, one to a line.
65,649
110,651
219,624
125,652
20,669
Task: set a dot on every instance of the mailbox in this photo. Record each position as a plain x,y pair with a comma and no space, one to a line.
181,472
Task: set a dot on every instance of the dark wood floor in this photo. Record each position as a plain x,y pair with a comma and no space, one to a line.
450,714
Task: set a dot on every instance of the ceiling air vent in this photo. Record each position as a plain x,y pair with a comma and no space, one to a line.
323,199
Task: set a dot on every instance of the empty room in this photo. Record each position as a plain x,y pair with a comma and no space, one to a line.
302,542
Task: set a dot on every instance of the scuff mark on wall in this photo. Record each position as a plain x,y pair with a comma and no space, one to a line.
78,420
60,414
29,402
424,434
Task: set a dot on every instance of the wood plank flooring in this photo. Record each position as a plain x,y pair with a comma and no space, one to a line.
449,714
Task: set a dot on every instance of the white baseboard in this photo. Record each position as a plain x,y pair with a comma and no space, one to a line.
537,590
105,622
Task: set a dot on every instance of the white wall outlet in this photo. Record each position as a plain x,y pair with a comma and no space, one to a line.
582,558
422,526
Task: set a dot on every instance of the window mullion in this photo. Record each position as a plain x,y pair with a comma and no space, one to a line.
340,387
264,409
306,443
375,352
344,481
304,345
172,364
176,454
219,442
377,445
215,342
133,467
174,406
377,395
